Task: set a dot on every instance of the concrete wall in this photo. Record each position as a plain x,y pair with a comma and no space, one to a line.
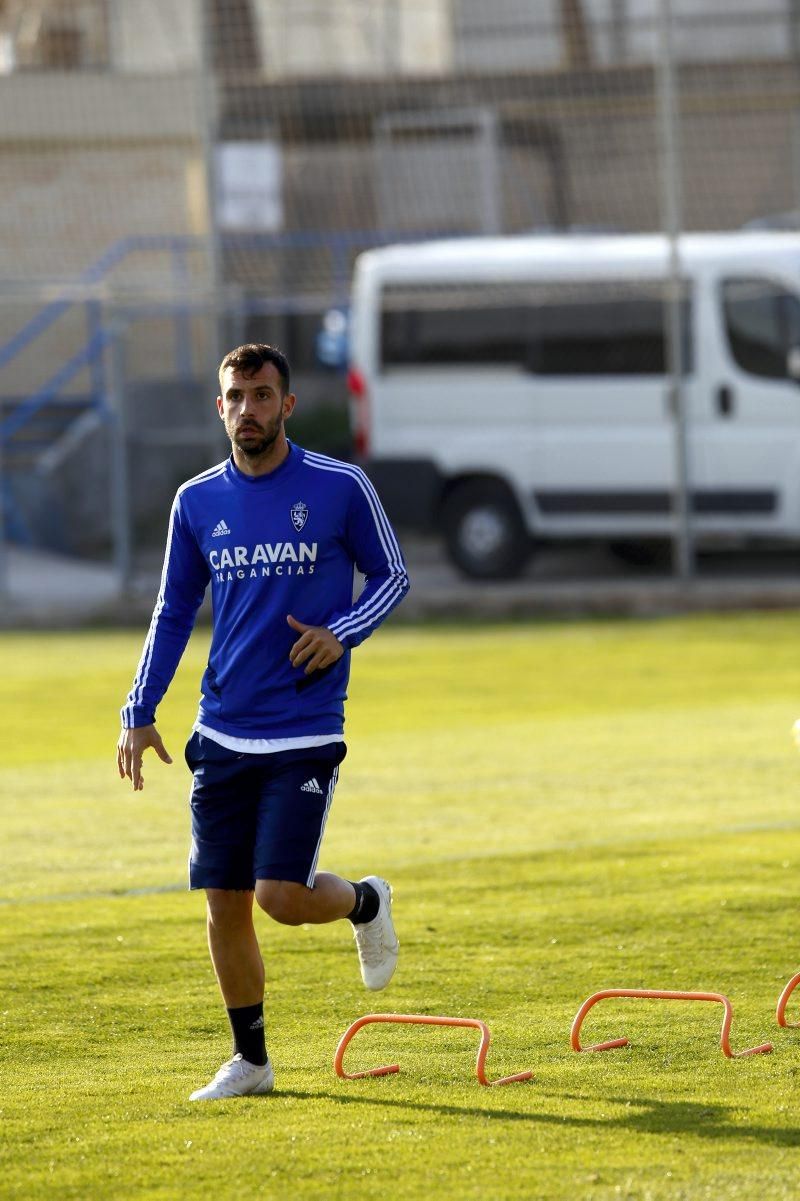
92,160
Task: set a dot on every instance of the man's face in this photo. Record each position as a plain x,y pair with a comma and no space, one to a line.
254,408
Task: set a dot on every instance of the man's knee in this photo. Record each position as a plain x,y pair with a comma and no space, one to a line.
283,900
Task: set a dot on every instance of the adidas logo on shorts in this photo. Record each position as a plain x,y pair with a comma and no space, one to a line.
311,785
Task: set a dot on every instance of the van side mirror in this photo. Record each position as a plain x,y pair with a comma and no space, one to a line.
793,363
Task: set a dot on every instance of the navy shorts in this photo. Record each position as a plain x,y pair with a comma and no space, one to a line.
258,817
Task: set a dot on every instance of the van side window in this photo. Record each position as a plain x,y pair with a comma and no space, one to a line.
590,328
606,329
762,323
448,325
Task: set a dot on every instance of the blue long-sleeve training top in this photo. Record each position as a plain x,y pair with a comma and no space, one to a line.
269,545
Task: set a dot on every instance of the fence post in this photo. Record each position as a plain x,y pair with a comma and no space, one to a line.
208,98
671,197
4,582
120,499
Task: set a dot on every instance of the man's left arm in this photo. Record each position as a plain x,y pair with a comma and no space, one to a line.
377,555
316,647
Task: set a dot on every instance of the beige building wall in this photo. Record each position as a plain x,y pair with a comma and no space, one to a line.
90,162
308,38
151,36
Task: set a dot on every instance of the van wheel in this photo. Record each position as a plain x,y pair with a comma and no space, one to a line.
483,530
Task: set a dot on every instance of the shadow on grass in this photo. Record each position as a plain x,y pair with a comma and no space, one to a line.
646,1116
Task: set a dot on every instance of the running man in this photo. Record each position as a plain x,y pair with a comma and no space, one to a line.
276,531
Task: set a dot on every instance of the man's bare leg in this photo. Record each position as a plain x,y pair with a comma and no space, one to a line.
234,948
367,903
239,968
291,904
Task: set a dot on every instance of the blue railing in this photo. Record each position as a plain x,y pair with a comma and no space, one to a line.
88,354
342,245
92,353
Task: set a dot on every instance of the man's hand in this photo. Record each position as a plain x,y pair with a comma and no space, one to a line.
130,749
316,647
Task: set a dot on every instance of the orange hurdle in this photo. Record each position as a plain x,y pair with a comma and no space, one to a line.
783,999
422,1020
657,994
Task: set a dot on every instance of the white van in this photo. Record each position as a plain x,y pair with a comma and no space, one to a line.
511,389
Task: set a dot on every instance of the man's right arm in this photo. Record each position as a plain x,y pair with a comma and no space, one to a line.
184,580
130,749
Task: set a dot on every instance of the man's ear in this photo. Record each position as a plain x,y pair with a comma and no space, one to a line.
289,401
219,408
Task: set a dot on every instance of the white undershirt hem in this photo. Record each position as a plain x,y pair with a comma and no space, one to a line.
266,746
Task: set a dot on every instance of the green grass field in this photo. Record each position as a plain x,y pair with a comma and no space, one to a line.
560,808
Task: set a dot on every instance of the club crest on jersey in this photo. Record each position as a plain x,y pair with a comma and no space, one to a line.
299,515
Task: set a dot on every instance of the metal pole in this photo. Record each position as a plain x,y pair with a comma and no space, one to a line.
4,493
392,37
209,131
491,220
671,180
619,31
794,44
120,498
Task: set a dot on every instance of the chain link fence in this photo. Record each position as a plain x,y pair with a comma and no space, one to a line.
184,175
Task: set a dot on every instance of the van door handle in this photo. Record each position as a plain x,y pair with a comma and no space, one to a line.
725,400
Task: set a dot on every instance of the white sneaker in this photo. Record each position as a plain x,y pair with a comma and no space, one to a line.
376,941
237,1078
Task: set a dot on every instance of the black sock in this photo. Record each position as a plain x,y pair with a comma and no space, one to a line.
247,1024
367,903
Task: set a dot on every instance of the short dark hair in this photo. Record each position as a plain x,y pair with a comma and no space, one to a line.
250,358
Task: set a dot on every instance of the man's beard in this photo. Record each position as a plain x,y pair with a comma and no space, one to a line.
256,445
